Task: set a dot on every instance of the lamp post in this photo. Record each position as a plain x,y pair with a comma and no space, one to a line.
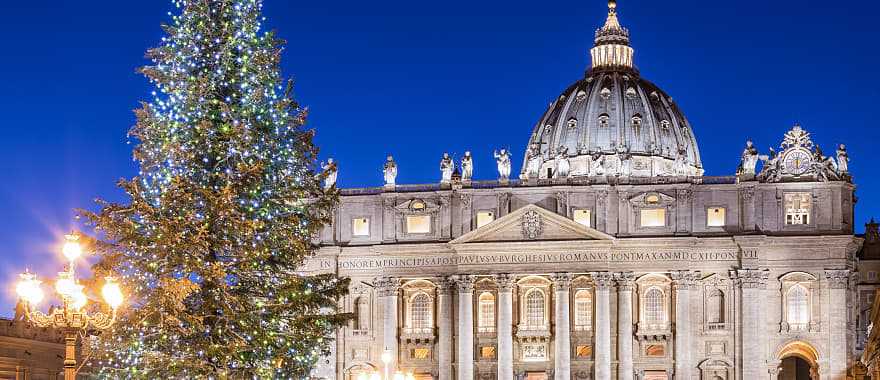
71,318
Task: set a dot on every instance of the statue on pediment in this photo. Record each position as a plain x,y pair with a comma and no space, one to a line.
447,166
502,159
770,172
467,167
390,170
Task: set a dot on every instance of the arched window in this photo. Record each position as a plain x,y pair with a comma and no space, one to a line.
797,305
654,313
715,307
420,312
535,308
486,320
583,310
362,308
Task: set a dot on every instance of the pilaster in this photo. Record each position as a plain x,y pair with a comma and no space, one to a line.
562,334
445,291
602,355
388,289
625,285
465,284
506,284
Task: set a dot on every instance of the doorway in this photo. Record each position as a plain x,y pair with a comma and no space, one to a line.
794,368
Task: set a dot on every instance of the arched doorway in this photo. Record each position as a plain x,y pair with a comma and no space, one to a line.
798,361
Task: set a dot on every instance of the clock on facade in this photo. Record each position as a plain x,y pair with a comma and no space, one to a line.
797,162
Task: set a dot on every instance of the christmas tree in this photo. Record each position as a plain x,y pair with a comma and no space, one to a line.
221,215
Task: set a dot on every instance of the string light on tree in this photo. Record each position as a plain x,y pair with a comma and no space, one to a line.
221,214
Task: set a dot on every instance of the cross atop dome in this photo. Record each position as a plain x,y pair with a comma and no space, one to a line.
611,49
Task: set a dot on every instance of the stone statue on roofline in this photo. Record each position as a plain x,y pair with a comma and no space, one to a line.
563,165
533,161
332,171
502,159
467,167
770,172
390,171
748,160
842,160
447,166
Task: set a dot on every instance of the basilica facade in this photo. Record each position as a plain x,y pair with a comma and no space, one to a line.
610,256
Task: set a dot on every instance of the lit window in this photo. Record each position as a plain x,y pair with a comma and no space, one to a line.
797,208
361,227
418,224
654,306
535,308
798,307
584,351
583,310
420,353
715,216
487,312
655,350
583,217
654,217
420,312
487,352
484,218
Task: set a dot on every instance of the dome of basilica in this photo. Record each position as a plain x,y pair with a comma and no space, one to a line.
612,122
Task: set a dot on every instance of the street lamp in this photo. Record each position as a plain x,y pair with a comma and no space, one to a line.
386,359
71,318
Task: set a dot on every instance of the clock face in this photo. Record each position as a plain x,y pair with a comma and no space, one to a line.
797,162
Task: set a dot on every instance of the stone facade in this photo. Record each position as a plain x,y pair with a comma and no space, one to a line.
29,353
626,263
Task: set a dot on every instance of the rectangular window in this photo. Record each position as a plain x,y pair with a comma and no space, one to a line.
360,227
584,351
797,208
484,218
487,352
715,216
655,350
420,353
418,224
653,217
582,217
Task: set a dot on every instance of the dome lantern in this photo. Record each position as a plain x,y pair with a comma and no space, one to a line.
611,48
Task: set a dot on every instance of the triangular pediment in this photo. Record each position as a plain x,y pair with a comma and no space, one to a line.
532,223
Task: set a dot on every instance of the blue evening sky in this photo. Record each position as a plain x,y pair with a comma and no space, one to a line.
416,79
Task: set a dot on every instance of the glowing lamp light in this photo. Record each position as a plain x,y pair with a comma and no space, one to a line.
78,300
375,376
399,376
363,376
409,376
29,288
386,357
65,285
112,293
72,250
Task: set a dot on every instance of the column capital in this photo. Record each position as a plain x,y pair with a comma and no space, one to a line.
626,281
445,286
750,278
837,279
684,279
561,281
386,286
603,280
505,282
465,283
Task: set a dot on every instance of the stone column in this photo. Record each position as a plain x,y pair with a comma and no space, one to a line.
465,327
681,284
506,284
752,283
602,355
444,325
625,285
838,281
388,289
562,335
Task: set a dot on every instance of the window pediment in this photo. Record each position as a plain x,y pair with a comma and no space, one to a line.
418,206
652,199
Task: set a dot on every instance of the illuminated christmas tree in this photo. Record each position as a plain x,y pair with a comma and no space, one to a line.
221,214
